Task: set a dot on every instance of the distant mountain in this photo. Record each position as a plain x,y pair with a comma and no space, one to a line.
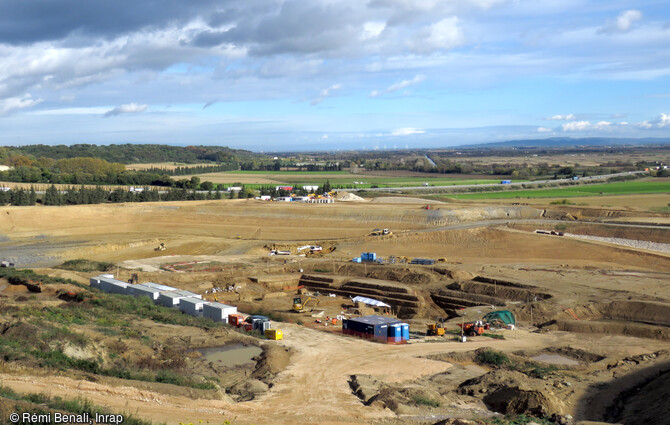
568,141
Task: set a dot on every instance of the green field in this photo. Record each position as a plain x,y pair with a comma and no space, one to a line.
618,188
384,182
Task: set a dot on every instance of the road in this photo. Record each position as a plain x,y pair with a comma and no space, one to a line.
313,389
467,186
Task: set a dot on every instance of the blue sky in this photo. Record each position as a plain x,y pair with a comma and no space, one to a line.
324,74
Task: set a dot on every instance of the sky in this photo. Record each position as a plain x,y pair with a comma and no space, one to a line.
273,75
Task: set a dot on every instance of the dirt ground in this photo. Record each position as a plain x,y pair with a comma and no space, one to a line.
567,294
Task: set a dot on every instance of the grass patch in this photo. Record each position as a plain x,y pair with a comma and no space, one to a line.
75,406
26,276
501,360
561,202
520,420
492,357
82,265
425,401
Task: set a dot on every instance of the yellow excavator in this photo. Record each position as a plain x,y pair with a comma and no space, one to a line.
300,306
436,328
161,247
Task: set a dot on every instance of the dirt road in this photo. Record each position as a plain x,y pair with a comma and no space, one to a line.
313,389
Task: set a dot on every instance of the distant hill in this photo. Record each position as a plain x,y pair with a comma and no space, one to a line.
568,141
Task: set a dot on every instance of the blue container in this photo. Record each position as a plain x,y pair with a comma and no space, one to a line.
405,331
357,260
368,256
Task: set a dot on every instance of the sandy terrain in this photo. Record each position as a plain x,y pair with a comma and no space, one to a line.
615,293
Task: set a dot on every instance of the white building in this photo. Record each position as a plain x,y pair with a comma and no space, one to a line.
143,291
173,298
192,306
111,285
218,312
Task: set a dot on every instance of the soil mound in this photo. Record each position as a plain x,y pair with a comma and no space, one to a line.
511,392
348,197
272,360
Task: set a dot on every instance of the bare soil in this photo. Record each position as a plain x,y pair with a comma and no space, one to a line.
604,306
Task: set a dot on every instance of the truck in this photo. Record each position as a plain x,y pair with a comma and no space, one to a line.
380,232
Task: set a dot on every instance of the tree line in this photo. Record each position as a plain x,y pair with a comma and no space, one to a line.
132,153
194,169
98,195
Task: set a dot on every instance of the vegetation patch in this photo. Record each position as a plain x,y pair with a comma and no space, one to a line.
77,406
81,265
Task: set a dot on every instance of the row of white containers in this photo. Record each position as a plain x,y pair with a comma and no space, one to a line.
188,302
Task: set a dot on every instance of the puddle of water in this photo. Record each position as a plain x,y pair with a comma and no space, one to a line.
555,359
230,355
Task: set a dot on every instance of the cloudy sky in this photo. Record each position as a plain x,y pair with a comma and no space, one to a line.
331,74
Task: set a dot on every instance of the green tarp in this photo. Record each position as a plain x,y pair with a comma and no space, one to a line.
505,315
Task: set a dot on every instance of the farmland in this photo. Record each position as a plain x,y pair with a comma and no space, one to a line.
616,188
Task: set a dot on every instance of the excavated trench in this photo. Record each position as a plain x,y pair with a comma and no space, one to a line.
481,291
633,318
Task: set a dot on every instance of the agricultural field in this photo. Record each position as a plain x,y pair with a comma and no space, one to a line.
616,188
256,179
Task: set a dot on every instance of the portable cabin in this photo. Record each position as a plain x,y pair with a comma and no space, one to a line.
109,285
192,306
369,327
218,312
160,287
142,290
172,298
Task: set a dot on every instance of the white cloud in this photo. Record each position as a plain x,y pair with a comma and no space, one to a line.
567,117
12,104
73,111
663,120
399,86
603,123
128,108
445,34
645,125
623,23
408,131
626,19
372,29
576,126
544,130
327,92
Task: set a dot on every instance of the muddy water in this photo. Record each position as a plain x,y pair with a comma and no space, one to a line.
555,359
230,355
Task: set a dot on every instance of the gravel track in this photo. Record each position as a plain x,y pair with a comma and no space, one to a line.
652,246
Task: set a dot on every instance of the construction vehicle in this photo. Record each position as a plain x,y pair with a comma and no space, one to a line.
436,328
235,320
161,247
381,232
299,306
473,328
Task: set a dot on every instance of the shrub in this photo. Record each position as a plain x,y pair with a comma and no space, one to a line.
425,401
82,265
492,357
